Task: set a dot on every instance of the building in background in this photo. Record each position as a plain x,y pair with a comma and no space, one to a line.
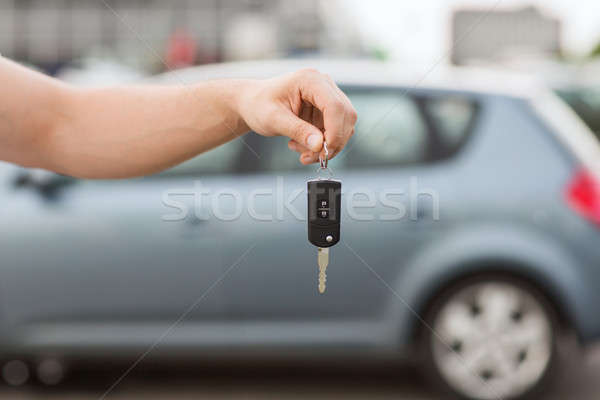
502,35
49,33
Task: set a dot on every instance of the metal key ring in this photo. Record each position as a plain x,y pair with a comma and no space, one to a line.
324,169
326,161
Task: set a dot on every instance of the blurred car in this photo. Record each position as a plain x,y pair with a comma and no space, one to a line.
470,235
577,84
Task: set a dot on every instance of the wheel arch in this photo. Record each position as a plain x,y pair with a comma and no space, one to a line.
542,263
495,269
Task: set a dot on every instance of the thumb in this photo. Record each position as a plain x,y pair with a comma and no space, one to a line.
300,131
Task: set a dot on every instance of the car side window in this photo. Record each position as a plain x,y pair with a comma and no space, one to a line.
220,160
451,117
390,130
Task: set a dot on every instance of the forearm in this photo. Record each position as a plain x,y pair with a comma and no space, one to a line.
114,132
131,131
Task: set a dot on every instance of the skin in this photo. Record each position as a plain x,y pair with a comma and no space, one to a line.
128,131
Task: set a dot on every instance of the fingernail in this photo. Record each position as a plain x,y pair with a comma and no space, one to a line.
313,142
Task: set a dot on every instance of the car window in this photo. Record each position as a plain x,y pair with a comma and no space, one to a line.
220,160
586,103
390,130
451,117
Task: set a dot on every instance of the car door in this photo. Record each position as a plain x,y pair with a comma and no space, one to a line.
103,263
277,299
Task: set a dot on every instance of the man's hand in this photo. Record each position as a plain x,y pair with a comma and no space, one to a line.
305,106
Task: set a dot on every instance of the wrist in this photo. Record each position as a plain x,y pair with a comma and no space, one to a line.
221,99
239,95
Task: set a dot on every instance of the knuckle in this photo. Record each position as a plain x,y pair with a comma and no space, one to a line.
353,115
327,77
338,106
309,72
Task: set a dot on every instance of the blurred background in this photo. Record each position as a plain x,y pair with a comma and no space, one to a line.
103,42
53,34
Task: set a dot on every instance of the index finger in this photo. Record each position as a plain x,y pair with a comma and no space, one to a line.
332,106
333,120
350,117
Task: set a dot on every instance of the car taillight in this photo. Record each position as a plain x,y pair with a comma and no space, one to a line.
583,194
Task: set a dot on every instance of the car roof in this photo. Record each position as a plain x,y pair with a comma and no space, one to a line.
358,72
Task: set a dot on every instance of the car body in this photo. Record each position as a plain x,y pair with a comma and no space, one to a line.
451,174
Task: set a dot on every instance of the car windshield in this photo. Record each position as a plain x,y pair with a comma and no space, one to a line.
586,103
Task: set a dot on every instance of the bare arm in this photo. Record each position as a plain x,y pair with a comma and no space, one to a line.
137,130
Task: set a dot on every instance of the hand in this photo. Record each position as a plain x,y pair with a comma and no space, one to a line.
305,106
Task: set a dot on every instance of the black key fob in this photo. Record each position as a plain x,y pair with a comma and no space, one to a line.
324,198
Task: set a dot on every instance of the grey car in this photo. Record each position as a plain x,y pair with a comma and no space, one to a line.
470,236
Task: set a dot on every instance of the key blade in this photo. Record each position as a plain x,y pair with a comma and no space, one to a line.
323,257
322,260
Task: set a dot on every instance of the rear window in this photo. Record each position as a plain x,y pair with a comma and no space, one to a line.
586,104
569,129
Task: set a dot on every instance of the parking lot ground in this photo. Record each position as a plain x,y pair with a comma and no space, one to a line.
579,381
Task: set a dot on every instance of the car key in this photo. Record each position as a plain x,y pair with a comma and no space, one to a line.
324,198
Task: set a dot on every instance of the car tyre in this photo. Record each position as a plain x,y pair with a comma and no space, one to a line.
491,337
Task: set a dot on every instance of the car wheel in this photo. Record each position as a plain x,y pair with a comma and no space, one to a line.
491,338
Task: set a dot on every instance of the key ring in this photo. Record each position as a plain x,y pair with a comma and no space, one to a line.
324,169
324,163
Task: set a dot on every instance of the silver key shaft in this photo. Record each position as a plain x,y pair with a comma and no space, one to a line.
322,260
